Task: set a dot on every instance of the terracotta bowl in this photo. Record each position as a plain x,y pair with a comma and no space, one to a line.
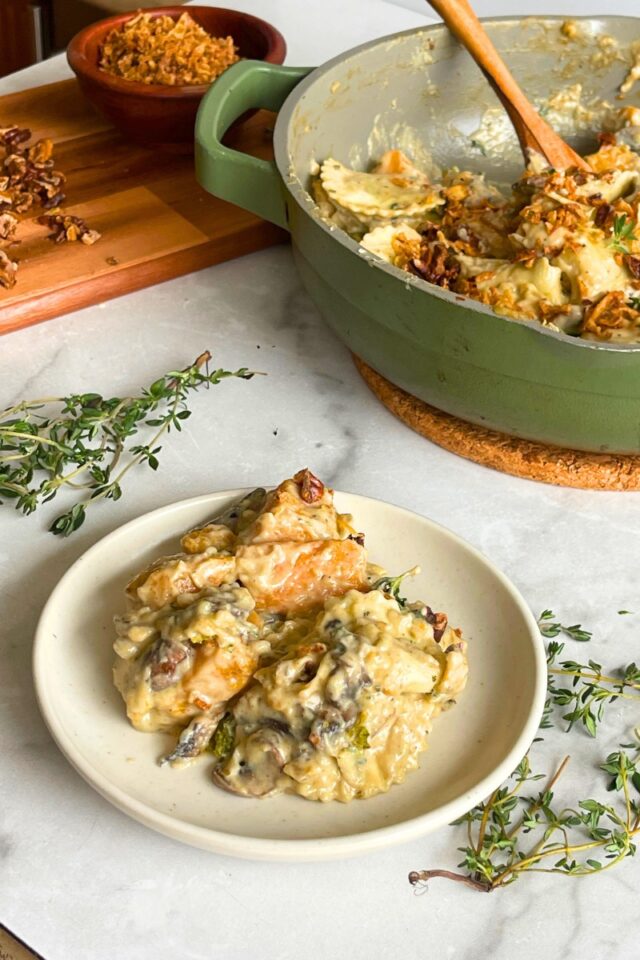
155,113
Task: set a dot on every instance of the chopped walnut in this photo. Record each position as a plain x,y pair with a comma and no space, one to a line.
633,266
8,270
8,224
434,264
604,213
28,179
41,151
67,228
10,137
438,621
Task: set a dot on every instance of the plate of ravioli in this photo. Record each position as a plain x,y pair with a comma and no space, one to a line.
289,672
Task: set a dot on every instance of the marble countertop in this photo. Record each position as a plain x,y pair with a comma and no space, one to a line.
78,879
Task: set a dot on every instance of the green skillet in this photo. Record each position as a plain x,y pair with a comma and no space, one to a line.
420,89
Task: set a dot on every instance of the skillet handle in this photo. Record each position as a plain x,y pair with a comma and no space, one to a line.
237,177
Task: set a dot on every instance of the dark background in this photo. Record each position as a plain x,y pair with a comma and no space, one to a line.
32,30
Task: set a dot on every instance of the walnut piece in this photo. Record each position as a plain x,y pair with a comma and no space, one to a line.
8,224
633,266
8,270
66,228
311,489
28,179
434,263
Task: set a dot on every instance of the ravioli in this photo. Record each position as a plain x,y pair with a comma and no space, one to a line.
383,241
347,712
379,195
562,249
274,647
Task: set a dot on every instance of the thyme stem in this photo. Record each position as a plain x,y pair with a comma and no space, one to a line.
495,855
78,442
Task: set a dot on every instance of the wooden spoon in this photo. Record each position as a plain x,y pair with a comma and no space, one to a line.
533,133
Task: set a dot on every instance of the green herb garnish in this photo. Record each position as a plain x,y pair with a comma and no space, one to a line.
223,740
476,145
510,834
548,628
78,442
590,690
359,736
622,232
391,585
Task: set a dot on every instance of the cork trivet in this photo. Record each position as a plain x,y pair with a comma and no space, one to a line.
522,458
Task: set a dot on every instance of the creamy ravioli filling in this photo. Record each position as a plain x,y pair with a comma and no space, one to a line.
563,248
274,647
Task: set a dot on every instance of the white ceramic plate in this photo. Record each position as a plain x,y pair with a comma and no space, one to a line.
473,747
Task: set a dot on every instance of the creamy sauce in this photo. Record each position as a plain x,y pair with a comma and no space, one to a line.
563,248
299,672
346,713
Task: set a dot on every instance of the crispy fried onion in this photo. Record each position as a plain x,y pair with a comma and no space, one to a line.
611,312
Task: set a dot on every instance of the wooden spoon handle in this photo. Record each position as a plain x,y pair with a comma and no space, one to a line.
533,132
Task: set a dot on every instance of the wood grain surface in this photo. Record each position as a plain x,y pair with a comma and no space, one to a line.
11,948
156,221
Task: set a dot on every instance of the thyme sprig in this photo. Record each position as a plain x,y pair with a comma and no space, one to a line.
623,231
79,442
549,628
589,690
511,832
391,585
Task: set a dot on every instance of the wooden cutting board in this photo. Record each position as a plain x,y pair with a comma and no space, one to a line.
156,221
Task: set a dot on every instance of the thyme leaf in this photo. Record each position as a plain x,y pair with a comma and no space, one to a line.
550,628
391,585
585,690
223,740
623,230
359,736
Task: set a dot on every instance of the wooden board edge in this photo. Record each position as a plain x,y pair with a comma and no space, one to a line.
88,293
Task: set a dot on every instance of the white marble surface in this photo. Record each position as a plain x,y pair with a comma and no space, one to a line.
80,880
